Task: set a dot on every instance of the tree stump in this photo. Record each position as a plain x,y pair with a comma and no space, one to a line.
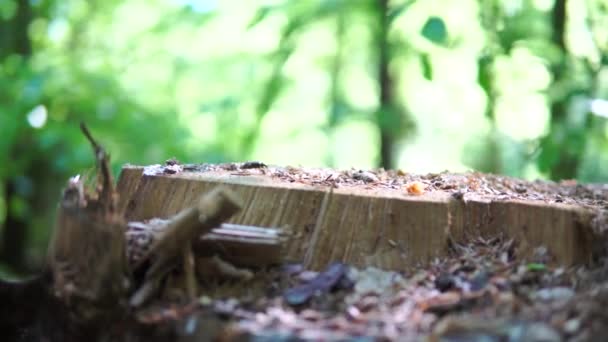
386,219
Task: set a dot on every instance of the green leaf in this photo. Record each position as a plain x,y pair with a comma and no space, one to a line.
427,67
435,30
485,72
534,266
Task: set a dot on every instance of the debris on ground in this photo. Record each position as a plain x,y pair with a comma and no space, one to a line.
459,185
480,293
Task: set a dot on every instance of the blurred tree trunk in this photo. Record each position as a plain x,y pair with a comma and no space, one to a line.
14,39
568,161
489,16
558,21
14,231
492,160
386,112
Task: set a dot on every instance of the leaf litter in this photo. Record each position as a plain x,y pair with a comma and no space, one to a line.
481,292
459,185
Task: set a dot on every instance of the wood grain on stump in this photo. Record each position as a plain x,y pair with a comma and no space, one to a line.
380,218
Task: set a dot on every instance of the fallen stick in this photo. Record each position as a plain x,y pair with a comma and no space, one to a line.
167,250
244,246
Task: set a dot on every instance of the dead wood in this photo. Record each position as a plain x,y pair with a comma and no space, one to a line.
223,253
245,246
105,184
87,251
172,247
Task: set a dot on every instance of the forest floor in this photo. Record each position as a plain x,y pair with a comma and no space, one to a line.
480,293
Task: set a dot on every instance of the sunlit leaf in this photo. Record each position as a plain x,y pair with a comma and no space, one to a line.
435,30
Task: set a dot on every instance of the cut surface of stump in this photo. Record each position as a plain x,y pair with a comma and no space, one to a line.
385,219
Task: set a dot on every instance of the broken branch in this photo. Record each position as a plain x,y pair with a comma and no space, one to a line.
179,233
104,175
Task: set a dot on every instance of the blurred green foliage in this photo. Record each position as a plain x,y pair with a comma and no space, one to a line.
504,86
